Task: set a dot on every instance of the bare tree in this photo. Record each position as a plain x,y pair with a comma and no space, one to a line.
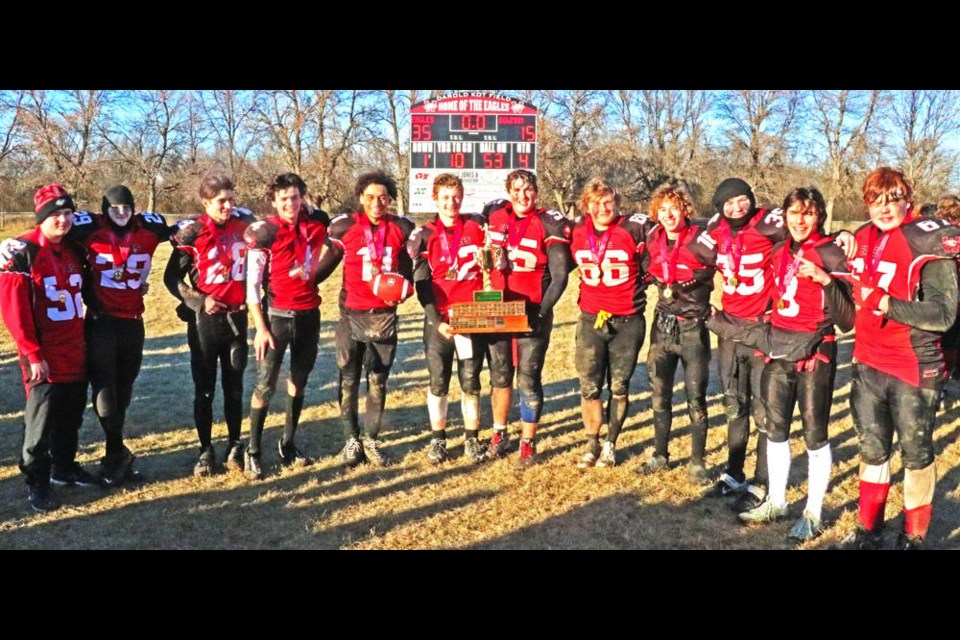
657,136
923,121
147,132
64,128
570,124
843,120
760,132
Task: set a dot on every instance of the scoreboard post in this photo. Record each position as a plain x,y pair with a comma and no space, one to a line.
480,137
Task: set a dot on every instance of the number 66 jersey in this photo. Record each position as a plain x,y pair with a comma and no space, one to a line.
609,261
219,255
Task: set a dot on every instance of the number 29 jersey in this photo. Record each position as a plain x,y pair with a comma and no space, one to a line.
119,263
747,286
616,284
219,255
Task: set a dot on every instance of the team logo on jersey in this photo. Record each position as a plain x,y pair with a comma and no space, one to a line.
950,244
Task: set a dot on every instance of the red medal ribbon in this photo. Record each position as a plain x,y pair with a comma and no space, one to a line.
449,257
789,271
597,252
374,245
119,250
734,251
873,256
670,262
224,253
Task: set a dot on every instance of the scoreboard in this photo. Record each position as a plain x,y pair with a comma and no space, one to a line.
479,137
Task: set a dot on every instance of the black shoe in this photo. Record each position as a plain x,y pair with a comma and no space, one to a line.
74,476
42,499
374,454
862,540
290,456
118,469
353,453
251,466
437,453
907,542
206,464
234,460
726,486
753,497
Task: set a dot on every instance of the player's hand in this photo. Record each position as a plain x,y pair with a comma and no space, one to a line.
446,330
212,305
8,249
36,372
262,341
145,288
846,241
813,272
865,297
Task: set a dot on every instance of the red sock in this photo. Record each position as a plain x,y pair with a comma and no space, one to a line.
917,521
873,499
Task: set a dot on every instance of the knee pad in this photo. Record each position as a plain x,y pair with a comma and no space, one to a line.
531,404
265,395
734,406
589,390
238,357
918,486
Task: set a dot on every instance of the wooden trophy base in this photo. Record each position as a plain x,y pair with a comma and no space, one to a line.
488,313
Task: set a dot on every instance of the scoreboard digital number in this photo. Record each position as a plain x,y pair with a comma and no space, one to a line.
480,137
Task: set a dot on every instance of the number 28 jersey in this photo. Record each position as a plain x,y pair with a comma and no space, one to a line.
747,286
219,255
615,285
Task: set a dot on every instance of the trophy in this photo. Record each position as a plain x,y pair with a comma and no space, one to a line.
488,313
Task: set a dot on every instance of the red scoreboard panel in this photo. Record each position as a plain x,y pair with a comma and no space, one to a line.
480,137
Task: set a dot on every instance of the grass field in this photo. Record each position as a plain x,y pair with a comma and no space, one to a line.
415,505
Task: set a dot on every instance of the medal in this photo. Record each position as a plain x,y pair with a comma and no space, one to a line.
62,298
118,275
452,273
781,304
668,293
374,269
296,271
732,281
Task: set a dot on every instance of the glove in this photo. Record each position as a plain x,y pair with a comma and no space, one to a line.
864,300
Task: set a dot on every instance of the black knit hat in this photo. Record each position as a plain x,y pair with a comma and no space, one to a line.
50,198
731,188
114,196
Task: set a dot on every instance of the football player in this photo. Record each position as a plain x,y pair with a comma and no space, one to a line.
42,307
905,289
282,259
119,253
534,265
681,256
446,271
210,253
372,245
800,346
745,235
608,248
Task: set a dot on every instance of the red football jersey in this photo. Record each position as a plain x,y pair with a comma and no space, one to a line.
119,260
893,261
284,258
219,255
454,271
801,303
744,261
42,305
363,259
696,251
522,273
610,276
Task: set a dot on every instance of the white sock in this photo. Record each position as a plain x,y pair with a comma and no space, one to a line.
499,427
469,406
819,462
436,407
778,468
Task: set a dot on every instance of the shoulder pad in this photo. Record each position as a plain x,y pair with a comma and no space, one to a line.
770,222
492,206
476,218
260,234
833,257
153,222
321,216
240,212
713,221
186,231
82,218
405,224
932,236
555,224
638,223
340,224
